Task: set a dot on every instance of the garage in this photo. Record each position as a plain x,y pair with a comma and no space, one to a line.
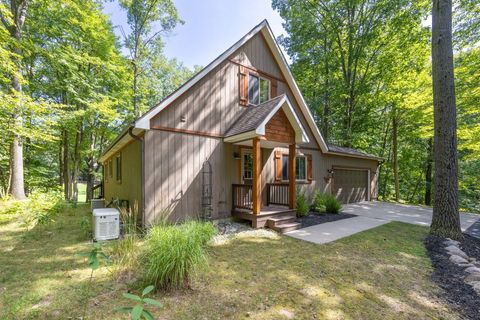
350,185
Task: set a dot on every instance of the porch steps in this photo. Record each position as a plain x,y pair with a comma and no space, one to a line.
283,224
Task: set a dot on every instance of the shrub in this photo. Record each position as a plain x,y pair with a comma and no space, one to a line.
319,202
332,205
302,204
323,202
173,253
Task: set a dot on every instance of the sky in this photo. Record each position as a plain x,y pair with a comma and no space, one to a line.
211,26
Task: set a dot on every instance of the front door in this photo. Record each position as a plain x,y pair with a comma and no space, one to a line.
247,166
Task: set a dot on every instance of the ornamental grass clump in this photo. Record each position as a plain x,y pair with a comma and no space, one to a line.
326,203
174,253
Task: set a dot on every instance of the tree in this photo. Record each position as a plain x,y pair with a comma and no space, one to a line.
18,14
148,20
446,219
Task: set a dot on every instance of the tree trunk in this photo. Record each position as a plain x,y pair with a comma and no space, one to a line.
395,153
428,173
446,219
66,167
76,163
17,188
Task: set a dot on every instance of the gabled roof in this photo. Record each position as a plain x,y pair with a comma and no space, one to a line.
143,122
251,123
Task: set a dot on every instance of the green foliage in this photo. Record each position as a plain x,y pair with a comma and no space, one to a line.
139,311
323,202
302,204
95,256
319,202
40,207
86,226
173,253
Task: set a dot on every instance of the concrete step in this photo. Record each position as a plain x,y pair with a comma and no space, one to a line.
286,227
276,221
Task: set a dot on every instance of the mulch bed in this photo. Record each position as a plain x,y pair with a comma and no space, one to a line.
449,276
314,218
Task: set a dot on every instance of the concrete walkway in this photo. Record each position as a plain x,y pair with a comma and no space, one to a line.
373,214
331,231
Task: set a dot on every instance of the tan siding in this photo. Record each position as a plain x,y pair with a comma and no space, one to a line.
130,186
178,180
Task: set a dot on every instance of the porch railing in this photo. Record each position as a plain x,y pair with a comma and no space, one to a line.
242,196
97,191
277,193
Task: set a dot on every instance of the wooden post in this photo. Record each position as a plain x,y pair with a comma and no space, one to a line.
257,175
292,192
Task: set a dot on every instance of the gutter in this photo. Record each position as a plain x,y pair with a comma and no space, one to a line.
142,166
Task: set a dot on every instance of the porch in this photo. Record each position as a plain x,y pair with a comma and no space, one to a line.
276,214
260,129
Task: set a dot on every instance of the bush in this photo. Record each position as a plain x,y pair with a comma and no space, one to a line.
323,202
39,207
332,205
302,204
173,253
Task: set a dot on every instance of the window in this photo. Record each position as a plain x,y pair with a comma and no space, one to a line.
105,171
300,167
247,166
258,89
118,167
110,169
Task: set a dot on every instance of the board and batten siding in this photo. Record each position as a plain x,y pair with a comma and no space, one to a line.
129,188
173,179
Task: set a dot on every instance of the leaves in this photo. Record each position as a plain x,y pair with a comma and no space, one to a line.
138,311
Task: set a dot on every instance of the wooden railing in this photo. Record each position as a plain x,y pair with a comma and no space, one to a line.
277,193
242,196
97,191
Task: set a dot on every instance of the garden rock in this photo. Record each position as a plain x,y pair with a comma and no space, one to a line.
451,242
453,250
287,314
473,270
458,260
476,286
471,278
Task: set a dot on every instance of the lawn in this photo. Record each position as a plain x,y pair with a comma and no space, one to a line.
378,274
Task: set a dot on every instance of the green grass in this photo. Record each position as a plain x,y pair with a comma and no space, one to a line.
82,192
382,273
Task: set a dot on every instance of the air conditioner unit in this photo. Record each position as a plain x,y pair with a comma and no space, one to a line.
106,224
97,203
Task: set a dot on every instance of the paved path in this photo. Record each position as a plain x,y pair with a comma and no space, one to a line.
373,214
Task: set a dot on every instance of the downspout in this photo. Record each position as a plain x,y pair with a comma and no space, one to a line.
142,166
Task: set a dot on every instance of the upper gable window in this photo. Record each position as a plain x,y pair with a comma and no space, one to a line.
258,89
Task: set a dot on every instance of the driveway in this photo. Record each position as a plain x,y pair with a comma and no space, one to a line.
373,214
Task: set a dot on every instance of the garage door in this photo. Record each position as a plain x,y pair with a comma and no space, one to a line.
350,185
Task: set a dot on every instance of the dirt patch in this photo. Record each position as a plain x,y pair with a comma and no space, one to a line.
314,218
450,277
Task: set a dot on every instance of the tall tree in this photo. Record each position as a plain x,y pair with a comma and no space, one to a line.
18,14
148,20
446,219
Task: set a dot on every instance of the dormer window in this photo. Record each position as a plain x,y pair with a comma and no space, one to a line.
258,89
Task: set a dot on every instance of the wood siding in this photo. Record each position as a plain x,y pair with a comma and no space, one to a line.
129,188
279,128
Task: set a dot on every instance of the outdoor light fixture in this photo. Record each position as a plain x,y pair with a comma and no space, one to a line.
236,156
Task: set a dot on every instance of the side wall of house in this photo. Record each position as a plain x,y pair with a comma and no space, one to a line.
177,174
129,187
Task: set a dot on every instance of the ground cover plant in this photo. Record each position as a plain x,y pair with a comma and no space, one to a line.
383,273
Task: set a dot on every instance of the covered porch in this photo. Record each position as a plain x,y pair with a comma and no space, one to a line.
261,129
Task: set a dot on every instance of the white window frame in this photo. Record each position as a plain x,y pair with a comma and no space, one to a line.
243,153
260,78
296,157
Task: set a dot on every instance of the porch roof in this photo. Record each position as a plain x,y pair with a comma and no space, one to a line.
251,123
